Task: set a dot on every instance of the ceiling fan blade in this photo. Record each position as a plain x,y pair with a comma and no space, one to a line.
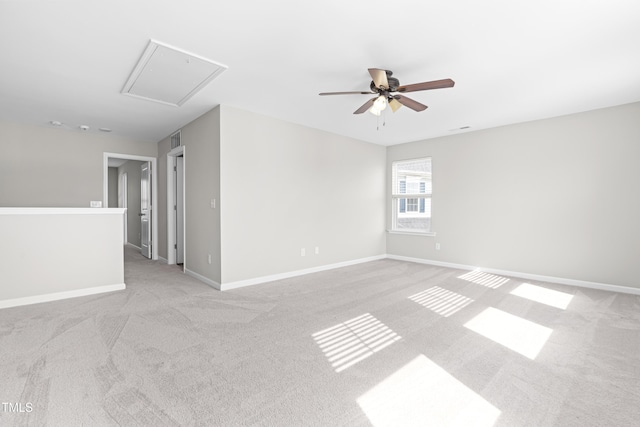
408,102
365,106
346,93
394,104
436,84
379,77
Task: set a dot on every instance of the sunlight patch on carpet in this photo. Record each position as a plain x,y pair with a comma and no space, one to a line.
485,279
515,333
352,341
543,295
421,393
441,301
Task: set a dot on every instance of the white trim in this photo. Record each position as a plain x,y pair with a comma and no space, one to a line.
549,279
200,277
413,233
273,277
154,191
123,201
61,211
537,277
36,299
171,216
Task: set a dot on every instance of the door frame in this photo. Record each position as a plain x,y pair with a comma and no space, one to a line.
146,210
123,185
171,201
154,191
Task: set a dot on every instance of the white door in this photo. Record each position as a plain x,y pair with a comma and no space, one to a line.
123,200
145,209
179,171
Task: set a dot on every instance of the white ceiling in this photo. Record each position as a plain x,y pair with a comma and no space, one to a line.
113,162
511,61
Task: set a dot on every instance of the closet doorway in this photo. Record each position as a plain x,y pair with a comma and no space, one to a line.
176,236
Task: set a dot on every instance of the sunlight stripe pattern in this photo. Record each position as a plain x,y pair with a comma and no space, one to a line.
352,341
441,301
485,279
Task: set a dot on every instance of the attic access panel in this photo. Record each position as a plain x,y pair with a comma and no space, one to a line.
169,75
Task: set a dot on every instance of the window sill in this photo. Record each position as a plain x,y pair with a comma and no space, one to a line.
413,233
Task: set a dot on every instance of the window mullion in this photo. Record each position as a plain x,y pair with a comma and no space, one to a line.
411,196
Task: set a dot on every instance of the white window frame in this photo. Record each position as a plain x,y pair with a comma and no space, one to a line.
412,205
410,184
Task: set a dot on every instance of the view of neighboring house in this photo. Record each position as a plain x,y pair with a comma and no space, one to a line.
412,178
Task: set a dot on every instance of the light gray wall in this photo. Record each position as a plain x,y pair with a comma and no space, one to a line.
163,148
201,140
42,166
285,187
279,187
556,197
133,171
67,250
202,183
113,187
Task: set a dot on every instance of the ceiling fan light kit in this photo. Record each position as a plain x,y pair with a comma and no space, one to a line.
378,105
387,89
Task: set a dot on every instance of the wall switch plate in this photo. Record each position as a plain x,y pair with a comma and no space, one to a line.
317,250
209,259
96,204
303,252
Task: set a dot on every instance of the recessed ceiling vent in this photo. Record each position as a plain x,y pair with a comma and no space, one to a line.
169,75
175,140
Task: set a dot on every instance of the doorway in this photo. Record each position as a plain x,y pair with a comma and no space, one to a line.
145,209
179,191
176,236
123,201
152,214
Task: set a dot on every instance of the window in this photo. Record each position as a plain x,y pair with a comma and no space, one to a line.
412,205
411,195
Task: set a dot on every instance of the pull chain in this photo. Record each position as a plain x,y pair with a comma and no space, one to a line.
384,120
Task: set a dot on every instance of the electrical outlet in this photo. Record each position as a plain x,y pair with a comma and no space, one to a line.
303,252
317,250
213,203
96,204
437,246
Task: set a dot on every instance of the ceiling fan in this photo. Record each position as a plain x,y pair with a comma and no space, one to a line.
388,91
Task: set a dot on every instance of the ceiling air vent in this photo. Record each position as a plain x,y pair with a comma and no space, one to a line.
175,140
169,75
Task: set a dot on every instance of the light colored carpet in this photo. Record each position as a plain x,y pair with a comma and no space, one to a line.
382,343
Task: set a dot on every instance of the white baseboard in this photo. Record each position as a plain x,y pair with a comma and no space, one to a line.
131,244
36,299
528,276
200,277
163,260
537,277
280,276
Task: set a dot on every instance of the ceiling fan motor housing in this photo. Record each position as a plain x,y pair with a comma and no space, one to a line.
393,84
